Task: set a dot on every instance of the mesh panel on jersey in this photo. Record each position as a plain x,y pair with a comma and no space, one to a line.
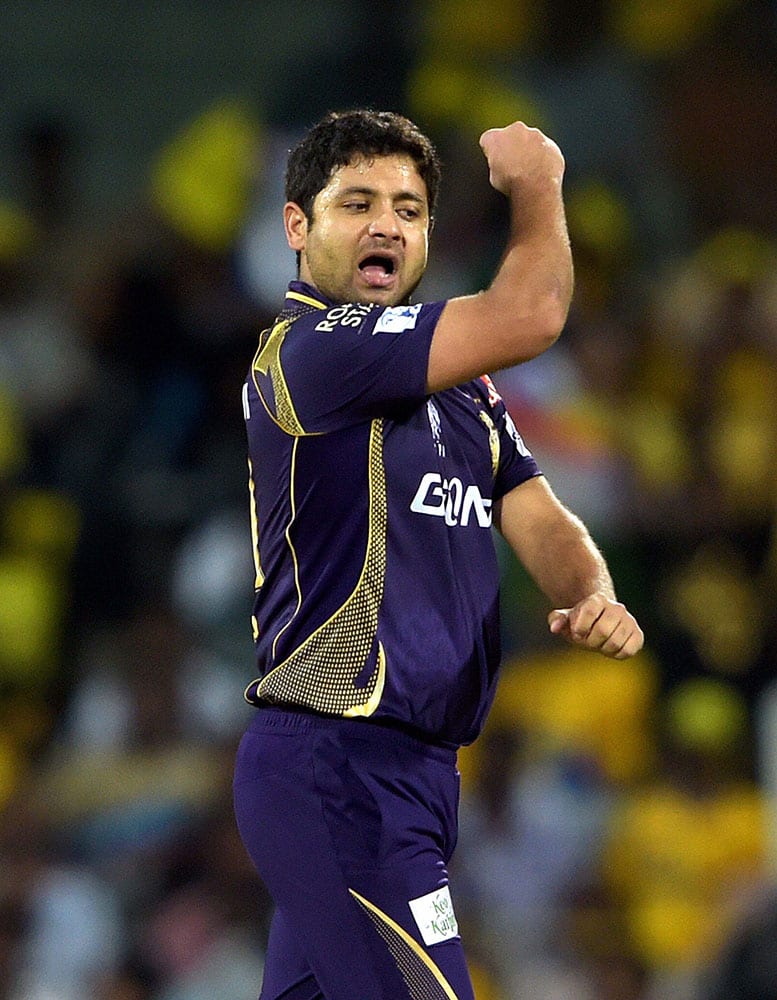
321,673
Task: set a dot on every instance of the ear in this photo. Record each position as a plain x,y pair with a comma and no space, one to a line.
295,224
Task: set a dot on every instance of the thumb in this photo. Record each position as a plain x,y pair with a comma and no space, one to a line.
558,620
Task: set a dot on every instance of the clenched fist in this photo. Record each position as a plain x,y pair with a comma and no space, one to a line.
521,154
600,624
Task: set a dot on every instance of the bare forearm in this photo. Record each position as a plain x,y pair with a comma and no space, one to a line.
557,550
552,543
567,565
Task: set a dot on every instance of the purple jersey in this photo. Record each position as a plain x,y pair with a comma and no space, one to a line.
376,575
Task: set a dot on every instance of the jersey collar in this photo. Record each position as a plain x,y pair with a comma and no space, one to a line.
301,293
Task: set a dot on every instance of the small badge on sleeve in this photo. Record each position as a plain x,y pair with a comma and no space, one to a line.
395,319
433,913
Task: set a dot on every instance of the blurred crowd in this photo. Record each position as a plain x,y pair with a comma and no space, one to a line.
618,835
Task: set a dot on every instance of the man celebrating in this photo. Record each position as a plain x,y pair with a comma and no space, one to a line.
379,456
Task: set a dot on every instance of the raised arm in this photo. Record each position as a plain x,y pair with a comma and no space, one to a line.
558,552
524,309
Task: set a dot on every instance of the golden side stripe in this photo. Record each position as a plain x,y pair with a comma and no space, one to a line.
259,574
379,680
411,943
268,362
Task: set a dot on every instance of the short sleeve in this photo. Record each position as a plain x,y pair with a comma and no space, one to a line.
331,368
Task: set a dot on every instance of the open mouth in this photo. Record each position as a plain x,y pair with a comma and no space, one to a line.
378,269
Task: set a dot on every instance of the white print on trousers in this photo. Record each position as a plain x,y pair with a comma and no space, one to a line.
433,913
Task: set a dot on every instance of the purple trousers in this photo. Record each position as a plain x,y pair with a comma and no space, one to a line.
351,826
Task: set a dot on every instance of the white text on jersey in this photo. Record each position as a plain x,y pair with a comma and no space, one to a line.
451,500
352,314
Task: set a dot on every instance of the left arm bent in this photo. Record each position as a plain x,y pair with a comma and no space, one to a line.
559,554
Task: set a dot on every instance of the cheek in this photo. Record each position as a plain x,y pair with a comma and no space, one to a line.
327,242
320,249
420,250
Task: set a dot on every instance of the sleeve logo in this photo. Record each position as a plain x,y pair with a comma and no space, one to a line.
395,319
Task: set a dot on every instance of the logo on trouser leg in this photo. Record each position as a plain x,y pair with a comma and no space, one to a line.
422,976
434,916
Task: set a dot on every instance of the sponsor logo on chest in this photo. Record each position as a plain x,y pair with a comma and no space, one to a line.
451,500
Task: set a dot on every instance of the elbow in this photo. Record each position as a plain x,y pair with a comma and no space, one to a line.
553,311
532,298
552,321
548,322
524,337
552,308
539,325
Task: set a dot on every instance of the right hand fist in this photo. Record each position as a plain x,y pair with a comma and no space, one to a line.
601,624
520,154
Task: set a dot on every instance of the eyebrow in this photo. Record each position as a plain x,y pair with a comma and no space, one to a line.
399,196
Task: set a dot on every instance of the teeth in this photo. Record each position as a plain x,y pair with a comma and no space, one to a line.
384,263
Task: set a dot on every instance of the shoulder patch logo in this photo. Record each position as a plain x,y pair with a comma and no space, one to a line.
395,319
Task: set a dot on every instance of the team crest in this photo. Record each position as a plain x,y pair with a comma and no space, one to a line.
493,440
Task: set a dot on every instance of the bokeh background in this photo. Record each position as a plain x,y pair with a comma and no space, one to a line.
618,822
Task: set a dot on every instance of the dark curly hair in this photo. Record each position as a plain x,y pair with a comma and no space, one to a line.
342,135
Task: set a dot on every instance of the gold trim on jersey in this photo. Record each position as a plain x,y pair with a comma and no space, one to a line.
321,673
258,573
267,361
306,299
422,976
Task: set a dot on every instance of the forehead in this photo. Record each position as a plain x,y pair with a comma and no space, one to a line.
396,174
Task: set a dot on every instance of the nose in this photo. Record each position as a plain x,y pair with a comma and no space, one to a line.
385,223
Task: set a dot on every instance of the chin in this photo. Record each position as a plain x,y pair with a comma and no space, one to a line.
376,297
389,296
389,300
